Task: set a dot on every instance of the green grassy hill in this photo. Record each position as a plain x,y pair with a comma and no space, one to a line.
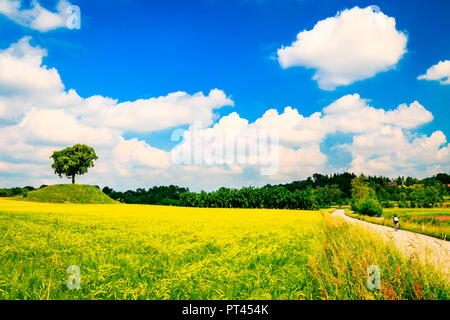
68,193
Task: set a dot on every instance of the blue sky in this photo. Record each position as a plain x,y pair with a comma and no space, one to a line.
129,50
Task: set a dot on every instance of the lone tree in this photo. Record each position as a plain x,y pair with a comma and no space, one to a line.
73,160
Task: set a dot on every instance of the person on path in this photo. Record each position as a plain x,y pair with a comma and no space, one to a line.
396,220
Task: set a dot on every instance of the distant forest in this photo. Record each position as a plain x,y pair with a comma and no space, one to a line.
318,191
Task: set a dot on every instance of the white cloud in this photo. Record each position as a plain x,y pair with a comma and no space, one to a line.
153,114
36,17
56,127
348,114
39,115
378,135
351,114
294,128
409,117
22,72
300,163
26,83
354,45
390,152
139,153
440,71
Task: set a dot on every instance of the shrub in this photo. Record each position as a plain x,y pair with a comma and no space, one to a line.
354,205
369,206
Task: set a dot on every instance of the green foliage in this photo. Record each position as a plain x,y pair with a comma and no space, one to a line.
361,189
276,197
67,193
388,204
14,192
326,196
403,204
318,191
369,206
425,196
73,161
364,198
163,195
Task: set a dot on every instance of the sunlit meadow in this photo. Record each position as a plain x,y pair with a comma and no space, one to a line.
155,252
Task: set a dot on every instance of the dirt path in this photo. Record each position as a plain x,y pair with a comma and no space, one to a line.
410,243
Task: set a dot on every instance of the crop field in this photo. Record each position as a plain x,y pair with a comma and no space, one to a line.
155,252
433,222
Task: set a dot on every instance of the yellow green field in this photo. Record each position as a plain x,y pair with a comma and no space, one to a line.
154,252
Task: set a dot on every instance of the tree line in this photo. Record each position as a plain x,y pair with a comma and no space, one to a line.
366,195
318,191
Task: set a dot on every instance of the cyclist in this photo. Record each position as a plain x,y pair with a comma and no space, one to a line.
396,222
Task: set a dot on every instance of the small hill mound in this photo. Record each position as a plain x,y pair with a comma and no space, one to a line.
68,193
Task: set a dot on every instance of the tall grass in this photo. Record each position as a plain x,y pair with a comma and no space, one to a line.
340,269
154,252
431,223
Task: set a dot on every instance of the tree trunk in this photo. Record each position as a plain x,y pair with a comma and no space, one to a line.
73,179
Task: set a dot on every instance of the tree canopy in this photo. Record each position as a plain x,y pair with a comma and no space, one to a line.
318,191
73,161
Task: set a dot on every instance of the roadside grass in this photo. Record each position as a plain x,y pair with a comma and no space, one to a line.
349,250
155,252
433,222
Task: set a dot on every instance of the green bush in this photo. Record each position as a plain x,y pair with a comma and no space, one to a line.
369,206
354,205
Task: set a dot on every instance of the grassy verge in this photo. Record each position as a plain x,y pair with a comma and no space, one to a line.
340,271
431,222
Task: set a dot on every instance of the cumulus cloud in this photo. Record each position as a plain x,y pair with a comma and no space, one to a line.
439,72
56,127
354,45
348,114
26,83
22,72
390,152
375,131
36,17
139,153
352,114
39,115
153,114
